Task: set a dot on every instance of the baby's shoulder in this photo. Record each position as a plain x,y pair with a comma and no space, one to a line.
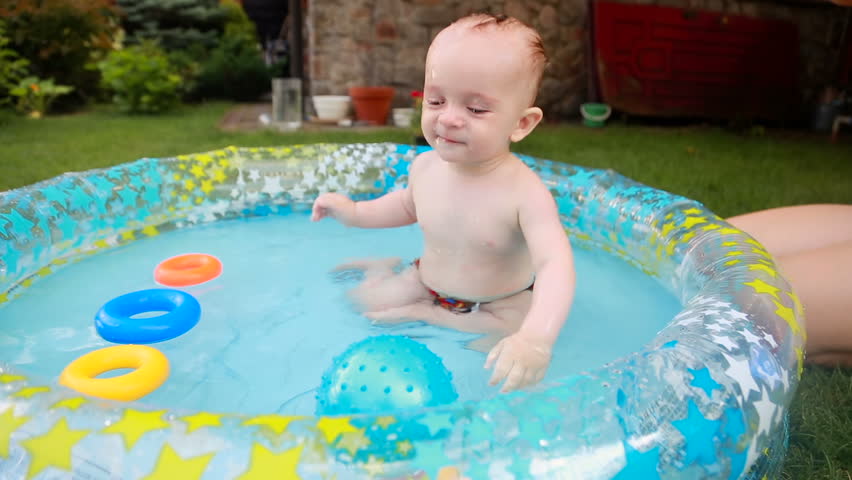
525,178
421,163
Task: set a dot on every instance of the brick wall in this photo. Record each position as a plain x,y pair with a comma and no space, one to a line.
384,42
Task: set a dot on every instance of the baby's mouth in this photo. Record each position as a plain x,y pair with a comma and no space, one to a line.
447,140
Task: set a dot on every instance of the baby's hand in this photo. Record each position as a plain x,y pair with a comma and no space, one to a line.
520,360
332,205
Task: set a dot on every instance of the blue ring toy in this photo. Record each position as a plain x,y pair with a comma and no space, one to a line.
115,324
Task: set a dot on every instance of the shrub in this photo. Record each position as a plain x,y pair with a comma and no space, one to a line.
35,95
237,23
13,68
141,78
234,70
60,37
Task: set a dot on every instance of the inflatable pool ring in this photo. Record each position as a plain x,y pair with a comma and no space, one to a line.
115,323
151,369
188,269
707,397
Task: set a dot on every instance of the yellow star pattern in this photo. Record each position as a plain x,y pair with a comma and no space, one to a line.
134,424
690,222
8,424
385,421
218,175
667,228
332,427
800,356
70,403
353,441
404,447
171,466
760,286
763,268
374,466
265,464
202,419
9,378
730,231
789,316
198,171
53,449
692,211
30,391
276,423
797,304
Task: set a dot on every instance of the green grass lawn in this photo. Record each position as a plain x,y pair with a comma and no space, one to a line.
729,172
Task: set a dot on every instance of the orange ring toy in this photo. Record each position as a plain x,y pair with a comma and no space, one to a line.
187,269
151,369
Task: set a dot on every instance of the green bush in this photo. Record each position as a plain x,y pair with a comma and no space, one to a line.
35,95
237,23
60,38
141,78
13,68
234,71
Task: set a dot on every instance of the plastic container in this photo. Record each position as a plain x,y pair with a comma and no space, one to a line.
595,114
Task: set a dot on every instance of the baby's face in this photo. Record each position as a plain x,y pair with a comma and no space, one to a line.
478,85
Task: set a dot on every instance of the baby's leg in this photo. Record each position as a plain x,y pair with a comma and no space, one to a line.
494,319
374,270
383,291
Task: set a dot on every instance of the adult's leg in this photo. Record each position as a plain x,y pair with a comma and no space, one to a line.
822,279
813,247
789,230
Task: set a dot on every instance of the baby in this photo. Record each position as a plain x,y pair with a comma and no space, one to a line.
496,258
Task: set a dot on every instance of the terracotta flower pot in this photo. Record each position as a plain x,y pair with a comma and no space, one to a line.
372,104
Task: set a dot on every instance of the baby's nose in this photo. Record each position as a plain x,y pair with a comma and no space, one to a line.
451,118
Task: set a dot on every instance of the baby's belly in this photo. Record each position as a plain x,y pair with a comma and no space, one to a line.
475,279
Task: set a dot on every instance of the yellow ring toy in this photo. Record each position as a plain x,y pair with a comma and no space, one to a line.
151,369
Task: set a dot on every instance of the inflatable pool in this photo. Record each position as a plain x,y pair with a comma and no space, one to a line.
707,398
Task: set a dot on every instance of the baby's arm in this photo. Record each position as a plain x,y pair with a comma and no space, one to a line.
394,209
523,357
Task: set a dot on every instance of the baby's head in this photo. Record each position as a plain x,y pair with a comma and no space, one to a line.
516,44
482,77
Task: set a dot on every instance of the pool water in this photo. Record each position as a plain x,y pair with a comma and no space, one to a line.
275,319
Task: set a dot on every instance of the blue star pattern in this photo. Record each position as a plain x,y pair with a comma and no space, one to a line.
700,435
703,380
639,465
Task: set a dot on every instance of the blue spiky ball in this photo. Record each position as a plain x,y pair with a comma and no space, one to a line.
383,373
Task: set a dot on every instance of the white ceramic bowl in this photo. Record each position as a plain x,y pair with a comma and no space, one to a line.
331,107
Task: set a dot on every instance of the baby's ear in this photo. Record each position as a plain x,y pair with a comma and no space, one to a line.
529,120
